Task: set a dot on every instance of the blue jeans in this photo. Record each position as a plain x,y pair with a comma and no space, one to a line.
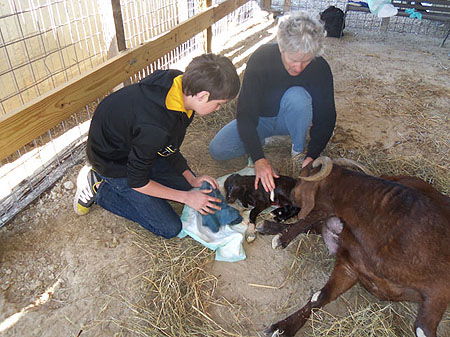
293,119
152,213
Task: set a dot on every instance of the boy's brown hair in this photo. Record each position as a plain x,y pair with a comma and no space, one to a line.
213,73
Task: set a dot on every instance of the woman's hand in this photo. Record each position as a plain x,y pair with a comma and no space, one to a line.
307,161
265,173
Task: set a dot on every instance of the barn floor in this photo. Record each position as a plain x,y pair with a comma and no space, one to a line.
392,98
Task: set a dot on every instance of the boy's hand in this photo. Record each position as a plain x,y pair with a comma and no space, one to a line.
197,182
202,202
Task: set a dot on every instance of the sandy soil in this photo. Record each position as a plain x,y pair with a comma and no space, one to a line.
392,96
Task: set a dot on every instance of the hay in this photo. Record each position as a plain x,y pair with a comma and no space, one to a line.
176,289
213,122
365,319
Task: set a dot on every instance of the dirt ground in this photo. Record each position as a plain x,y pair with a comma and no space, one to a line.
392,99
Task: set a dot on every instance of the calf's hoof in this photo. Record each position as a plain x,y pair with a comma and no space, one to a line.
262,229
276,243
276,333
250,237
267,227
250,234
273,331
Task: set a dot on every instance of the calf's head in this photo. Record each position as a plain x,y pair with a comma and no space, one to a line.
233,188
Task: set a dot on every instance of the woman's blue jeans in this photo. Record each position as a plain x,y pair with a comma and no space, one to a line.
293,119
154,214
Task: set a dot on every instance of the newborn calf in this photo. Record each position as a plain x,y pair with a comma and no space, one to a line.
242,188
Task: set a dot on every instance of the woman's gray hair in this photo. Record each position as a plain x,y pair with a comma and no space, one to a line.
299,31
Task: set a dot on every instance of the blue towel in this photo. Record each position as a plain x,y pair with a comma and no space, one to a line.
413,14
226,216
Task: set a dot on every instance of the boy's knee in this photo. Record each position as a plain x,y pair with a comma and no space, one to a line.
171,235
167,226
171,231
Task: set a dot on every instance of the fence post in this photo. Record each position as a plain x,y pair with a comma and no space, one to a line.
384,24
208,31
118,23
286,6
120,34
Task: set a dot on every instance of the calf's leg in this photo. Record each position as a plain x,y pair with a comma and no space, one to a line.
341,279
250,234
290,233
270,227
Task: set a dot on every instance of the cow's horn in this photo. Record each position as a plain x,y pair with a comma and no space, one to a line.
351,163
325,170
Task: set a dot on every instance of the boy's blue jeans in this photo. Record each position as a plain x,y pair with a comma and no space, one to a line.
155,214
294,119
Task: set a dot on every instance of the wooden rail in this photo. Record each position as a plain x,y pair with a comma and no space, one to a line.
21,126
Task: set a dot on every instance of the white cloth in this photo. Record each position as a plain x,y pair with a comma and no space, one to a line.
387,10
382,8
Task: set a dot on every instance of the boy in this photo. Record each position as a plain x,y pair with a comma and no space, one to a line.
134,145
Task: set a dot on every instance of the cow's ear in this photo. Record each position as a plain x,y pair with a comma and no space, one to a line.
307,195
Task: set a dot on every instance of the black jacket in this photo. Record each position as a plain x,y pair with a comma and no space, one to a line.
266,80
133,126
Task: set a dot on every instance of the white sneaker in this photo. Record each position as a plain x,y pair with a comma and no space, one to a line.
295,153
297,157
276,140
87,186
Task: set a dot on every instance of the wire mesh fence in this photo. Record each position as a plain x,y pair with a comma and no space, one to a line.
368,22
46,43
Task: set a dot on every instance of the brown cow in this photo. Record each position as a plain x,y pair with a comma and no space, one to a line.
391,236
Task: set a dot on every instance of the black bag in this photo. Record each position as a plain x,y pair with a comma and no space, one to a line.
333,18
